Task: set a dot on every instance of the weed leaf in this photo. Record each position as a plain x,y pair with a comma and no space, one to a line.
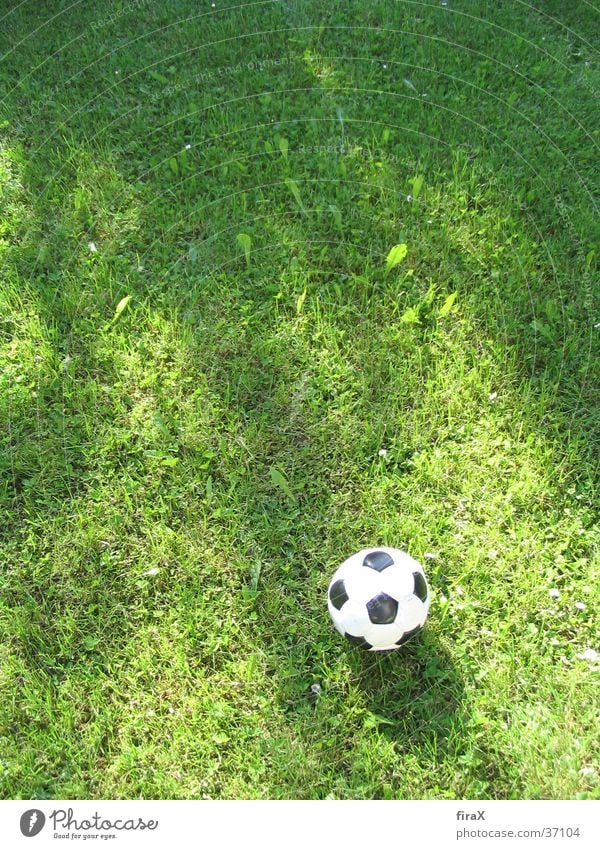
280,481
300,302
283,146
244,240
447,305
395,256
255,569
372,720
417,185
121,306
293,187
160,77
410,316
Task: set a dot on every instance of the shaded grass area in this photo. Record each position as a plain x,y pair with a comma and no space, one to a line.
162,600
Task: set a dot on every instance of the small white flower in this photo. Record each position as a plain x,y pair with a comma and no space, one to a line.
92,248
492,396
492,554
554,593
429,555
580,605
382,452
589,654
188,147
429,221
587,770
151,572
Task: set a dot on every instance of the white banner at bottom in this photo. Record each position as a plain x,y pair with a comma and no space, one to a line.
273,825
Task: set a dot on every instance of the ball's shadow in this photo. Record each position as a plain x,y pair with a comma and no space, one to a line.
416,692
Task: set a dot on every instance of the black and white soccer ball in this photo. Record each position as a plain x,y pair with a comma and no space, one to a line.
379,598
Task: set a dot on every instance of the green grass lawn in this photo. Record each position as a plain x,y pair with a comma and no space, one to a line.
212,391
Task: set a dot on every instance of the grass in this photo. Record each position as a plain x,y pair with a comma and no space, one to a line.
203,355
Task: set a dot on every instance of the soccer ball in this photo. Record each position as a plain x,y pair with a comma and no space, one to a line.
379,598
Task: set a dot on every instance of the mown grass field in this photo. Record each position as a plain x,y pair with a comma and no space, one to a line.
212,391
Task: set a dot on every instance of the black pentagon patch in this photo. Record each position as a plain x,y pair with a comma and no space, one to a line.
420,586
359,641
382,609
378,560
338,595
407,635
